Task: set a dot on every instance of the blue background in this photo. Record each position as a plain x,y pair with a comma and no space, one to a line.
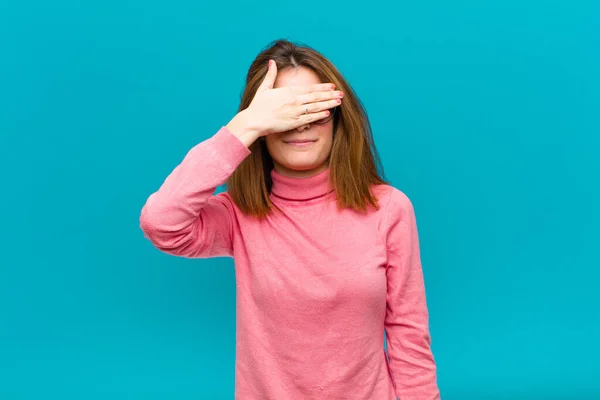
486,115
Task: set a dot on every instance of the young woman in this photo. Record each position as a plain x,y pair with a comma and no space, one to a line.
326,252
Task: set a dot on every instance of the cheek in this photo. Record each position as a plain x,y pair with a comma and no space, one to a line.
325,132
274,146
327,136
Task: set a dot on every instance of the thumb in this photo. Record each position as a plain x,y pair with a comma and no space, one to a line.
269,80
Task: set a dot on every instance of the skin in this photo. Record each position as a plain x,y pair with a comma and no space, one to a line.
305,161
286,108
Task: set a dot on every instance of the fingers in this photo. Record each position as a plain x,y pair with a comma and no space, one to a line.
270,77
318,106
312,117
317,87
319,96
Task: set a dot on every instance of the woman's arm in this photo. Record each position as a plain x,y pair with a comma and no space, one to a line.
183,217
407,321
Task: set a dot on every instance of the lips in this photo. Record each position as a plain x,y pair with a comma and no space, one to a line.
300,141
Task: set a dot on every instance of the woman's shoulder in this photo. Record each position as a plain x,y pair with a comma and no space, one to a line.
391,195
395,211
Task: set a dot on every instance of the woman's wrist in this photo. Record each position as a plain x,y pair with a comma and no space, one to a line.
243,128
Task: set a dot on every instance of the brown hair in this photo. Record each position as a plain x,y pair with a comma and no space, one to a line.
353,162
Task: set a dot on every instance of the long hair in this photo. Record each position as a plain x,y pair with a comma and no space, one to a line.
354,163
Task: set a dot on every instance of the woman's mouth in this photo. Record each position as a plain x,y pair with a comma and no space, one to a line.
300,143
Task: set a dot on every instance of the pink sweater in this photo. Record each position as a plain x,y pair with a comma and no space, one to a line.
315,286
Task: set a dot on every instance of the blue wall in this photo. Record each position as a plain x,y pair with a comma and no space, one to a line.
485,113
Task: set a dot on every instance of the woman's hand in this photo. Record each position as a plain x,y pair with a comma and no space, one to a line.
285,108
282,109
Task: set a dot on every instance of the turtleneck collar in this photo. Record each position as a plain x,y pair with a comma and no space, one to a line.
301,188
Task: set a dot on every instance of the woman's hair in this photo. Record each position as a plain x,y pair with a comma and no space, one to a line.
353,162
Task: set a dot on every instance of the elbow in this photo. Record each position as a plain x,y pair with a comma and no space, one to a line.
156,231
165,237
148,224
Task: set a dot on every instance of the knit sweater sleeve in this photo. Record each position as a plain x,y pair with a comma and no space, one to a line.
184,217
411,359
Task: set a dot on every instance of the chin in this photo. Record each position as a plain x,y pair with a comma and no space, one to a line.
299,165
303,168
